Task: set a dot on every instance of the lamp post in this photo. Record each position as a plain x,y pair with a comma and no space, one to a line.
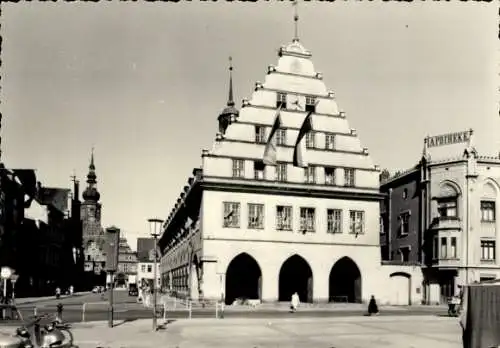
5,273
13,279
154,229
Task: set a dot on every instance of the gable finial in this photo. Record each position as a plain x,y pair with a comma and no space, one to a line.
296,20
230,100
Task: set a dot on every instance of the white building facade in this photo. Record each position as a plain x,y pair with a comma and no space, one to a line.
145,271
463,204
241,229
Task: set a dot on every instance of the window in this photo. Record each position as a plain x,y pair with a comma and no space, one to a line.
404,223
260,134
231,214
356,222
310,104
143,268
281,137
310,140
334,221
405,193
281,172
488,211
150,268
238,168
349,178
284,218
310,175
435,248
444,248
381,225
405,254
447,208
307,217
258,169
488,250
281,100
329,176
329,141
453,247
255,216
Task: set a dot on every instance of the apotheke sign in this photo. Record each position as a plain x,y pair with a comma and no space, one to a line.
448,139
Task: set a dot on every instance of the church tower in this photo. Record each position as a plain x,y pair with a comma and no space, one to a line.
92,232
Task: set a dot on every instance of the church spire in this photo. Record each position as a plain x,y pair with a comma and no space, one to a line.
230,113
230,100
91,193
296,21
91,176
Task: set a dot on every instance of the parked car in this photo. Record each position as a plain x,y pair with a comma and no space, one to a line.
133,291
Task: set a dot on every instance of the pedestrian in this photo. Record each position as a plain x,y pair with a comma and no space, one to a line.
71,289
294,302
58,292
372,306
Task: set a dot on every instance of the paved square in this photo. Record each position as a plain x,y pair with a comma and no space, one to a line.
344,332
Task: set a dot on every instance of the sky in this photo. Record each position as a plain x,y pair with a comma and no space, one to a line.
143,83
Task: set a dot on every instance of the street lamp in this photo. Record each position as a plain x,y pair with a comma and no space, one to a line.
5,273
154,230
13,279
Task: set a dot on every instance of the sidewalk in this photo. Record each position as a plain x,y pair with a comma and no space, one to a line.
352,332
33,300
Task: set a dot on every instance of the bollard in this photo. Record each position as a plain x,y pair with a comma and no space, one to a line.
216,310
190,304
59,311
83,312
34,311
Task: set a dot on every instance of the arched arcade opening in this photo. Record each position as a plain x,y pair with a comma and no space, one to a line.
243,279
345,282
296,276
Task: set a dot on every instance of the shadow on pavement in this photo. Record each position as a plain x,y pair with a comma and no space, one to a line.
164,325
124,321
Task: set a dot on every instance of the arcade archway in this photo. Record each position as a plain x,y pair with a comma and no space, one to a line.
243,279
345,282
296,276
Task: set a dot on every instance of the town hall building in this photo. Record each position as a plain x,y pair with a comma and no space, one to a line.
245,230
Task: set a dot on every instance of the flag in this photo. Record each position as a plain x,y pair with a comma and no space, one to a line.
55,197
299,159
270,150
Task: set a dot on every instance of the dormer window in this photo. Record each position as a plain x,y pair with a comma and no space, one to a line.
310,104
258,168
281,100
281,137
260,134
329,141
310,140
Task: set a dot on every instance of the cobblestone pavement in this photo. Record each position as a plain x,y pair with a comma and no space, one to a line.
352,332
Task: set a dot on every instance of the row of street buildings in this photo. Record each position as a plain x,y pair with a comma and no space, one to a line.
37,239
337,229
53,237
